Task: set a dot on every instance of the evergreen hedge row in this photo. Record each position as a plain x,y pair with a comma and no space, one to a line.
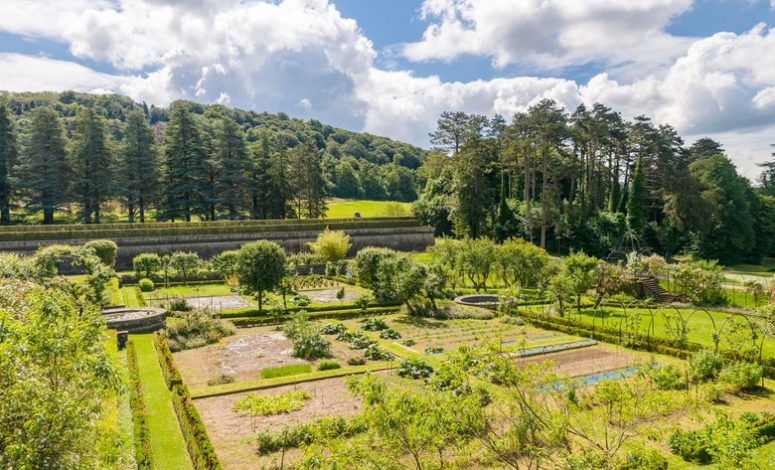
168,369
200,448
323,308
75,232
143,452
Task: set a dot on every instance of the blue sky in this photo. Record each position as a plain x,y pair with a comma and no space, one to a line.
391,67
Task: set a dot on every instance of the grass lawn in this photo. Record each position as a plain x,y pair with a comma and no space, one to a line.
699,325
191,290
129,296
169,448
346,208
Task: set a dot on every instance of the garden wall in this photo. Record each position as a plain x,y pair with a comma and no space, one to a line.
403,234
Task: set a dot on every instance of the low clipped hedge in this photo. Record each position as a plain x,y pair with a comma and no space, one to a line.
140,297
114,231
142,433
168,369
200,448
250,322
310,310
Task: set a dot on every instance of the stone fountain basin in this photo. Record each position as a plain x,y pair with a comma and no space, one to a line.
135,320
478,300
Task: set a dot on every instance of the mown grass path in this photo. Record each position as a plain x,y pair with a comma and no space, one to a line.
169,448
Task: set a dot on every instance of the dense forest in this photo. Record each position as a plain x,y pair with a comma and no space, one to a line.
82,152
590,180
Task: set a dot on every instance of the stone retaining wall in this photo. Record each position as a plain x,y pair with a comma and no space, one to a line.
409,238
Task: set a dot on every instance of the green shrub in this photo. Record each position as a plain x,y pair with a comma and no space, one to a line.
146,265
328,364
414,369
702,281
197,328
166,361
706,365
389,333
105,250
145,285
374,324
375,353
296,435
742,375
306,337
143,449
286,370
267,405
333,329
331,246
667,377
178,304
692,446
408,342
356,361
363,301
221,380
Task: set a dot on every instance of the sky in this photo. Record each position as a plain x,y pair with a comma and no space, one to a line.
391,67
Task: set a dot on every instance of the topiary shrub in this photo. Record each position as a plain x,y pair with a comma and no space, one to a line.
146,285
105,250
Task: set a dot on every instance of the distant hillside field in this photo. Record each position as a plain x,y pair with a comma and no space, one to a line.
346,208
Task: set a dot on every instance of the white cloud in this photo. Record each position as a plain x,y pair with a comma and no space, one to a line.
550,33
291,55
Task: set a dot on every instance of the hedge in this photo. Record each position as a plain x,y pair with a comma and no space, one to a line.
143,452
310,310
76,232
249,322
198,442
200,448
631,340
200,277
168,369
140,297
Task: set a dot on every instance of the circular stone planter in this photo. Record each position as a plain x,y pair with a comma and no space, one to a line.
478,300
135,320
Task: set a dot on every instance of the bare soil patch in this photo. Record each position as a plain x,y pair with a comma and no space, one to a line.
585,361
217,303
244,355
233,434
329,295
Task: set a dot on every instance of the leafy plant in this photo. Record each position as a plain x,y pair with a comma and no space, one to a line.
195,329
282,371
389,333
374,324
434,349
267,405
329,365
333,329
414,369
705,365
742,375
306,337
374,353
667,377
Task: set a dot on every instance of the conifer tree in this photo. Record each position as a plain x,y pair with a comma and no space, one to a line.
8,156
139,165
506,224
183,166
232,161
635,217
91,164
280,193
259,180
44,169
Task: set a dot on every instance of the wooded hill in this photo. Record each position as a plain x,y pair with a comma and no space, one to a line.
86,151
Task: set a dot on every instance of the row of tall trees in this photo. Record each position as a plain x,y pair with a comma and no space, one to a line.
89,153
593,181
194,169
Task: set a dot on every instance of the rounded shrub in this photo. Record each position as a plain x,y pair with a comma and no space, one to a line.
146,285
667,377
742,375
706,365
105,250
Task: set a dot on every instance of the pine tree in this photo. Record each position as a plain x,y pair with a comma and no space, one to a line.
636,220
232,160
506,224
8,156
313,183
259,181
139,166
91,164
185,175
280,191
44,169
